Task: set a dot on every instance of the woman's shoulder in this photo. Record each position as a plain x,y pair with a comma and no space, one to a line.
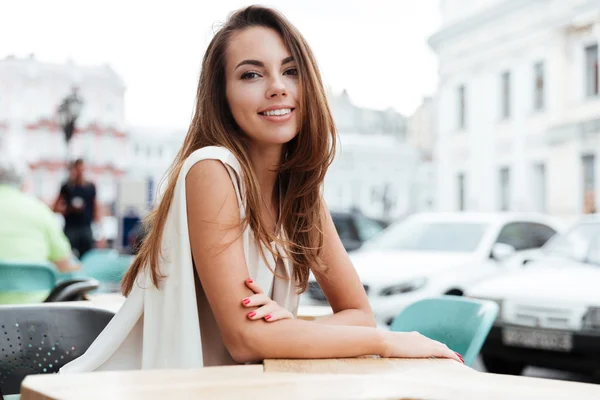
212,182
213,153
221,166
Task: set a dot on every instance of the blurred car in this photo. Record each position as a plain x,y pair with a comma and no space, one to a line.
354,228
549,310
430,254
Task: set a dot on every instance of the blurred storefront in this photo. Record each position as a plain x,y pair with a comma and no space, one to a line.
31,92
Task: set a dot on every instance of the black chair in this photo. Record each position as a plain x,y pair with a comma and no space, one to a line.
72,290
41,338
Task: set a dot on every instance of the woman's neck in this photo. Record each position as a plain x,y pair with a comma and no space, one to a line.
265,162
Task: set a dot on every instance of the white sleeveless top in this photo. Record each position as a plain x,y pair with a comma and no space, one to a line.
173,327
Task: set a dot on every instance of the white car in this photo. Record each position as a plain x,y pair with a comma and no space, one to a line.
550,309
431,254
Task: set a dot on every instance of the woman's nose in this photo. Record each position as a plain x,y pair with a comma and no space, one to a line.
276,88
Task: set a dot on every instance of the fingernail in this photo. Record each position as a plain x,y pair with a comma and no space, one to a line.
268,317
251,314
246,301
250,281
459,356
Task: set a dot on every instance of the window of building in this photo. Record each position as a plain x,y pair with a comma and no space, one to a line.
462,112
505,78
591,70
460,180
538,94
504,188
540,190
588,163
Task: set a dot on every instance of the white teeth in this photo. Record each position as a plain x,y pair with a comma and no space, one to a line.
282,111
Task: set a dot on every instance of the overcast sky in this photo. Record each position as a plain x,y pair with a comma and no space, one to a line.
376,49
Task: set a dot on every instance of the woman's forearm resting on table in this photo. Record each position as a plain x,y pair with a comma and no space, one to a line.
288,338
354,317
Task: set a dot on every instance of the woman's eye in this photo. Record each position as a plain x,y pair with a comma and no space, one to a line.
291,71
250,75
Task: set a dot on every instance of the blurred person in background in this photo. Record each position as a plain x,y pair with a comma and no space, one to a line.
29,230
77,203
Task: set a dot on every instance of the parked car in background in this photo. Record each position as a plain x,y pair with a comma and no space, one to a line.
550,309
355,228
430,254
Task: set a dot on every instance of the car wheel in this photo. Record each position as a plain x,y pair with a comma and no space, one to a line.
502,366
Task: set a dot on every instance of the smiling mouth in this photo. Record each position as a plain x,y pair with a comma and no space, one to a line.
277,113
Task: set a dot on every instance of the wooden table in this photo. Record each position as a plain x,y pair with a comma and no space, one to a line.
447,378
363,378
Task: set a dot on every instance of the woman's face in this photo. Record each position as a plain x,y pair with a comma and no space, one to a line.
262,86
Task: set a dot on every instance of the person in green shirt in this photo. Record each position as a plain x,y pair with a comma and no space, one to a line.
29,230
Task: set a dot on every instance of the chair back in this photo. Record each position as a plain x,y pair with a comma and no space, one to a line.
460,323
41,338
22,283
105,265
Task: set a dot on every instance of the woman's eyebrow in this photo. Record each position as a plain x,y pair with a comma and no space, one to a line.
261,64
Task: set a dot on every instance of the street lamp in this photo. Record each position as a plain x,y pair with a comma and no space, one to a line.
68,112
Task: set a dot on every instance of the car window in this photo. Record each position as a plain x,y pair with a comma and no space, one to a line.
581,243
366,227
417,235
345,229
593,256
539,234
515,234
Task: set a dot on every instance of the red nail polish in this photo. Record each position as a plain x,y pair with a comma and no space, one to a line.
250,281
246,301
251,314
268,317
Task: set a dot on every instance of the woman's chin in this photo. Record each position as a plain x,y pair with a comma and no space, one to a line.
277,137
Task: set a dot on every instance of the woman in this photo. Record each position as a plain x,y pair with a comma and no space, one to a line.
242,223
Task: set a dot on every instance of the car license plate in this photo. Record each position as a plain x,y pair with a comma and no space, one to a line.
537,339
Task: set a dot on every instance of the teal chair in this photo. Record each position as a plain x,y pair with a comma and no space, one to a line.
27,283
105,265
460,323
23,283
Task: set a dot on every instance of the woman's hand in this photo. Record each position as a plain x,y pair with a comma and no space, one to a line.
267,309
415,345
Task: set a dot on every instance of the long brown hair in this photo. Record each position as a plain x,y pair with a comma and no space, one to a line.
305,158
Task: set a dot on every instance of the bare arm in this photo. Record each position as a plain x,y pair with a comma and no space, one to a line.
97,209
66,265
215,235
341,284
58,207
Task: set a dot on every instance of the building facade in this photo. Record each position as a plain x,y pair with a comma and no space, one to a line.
373,169
517,109
151,152
420,135
31,92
